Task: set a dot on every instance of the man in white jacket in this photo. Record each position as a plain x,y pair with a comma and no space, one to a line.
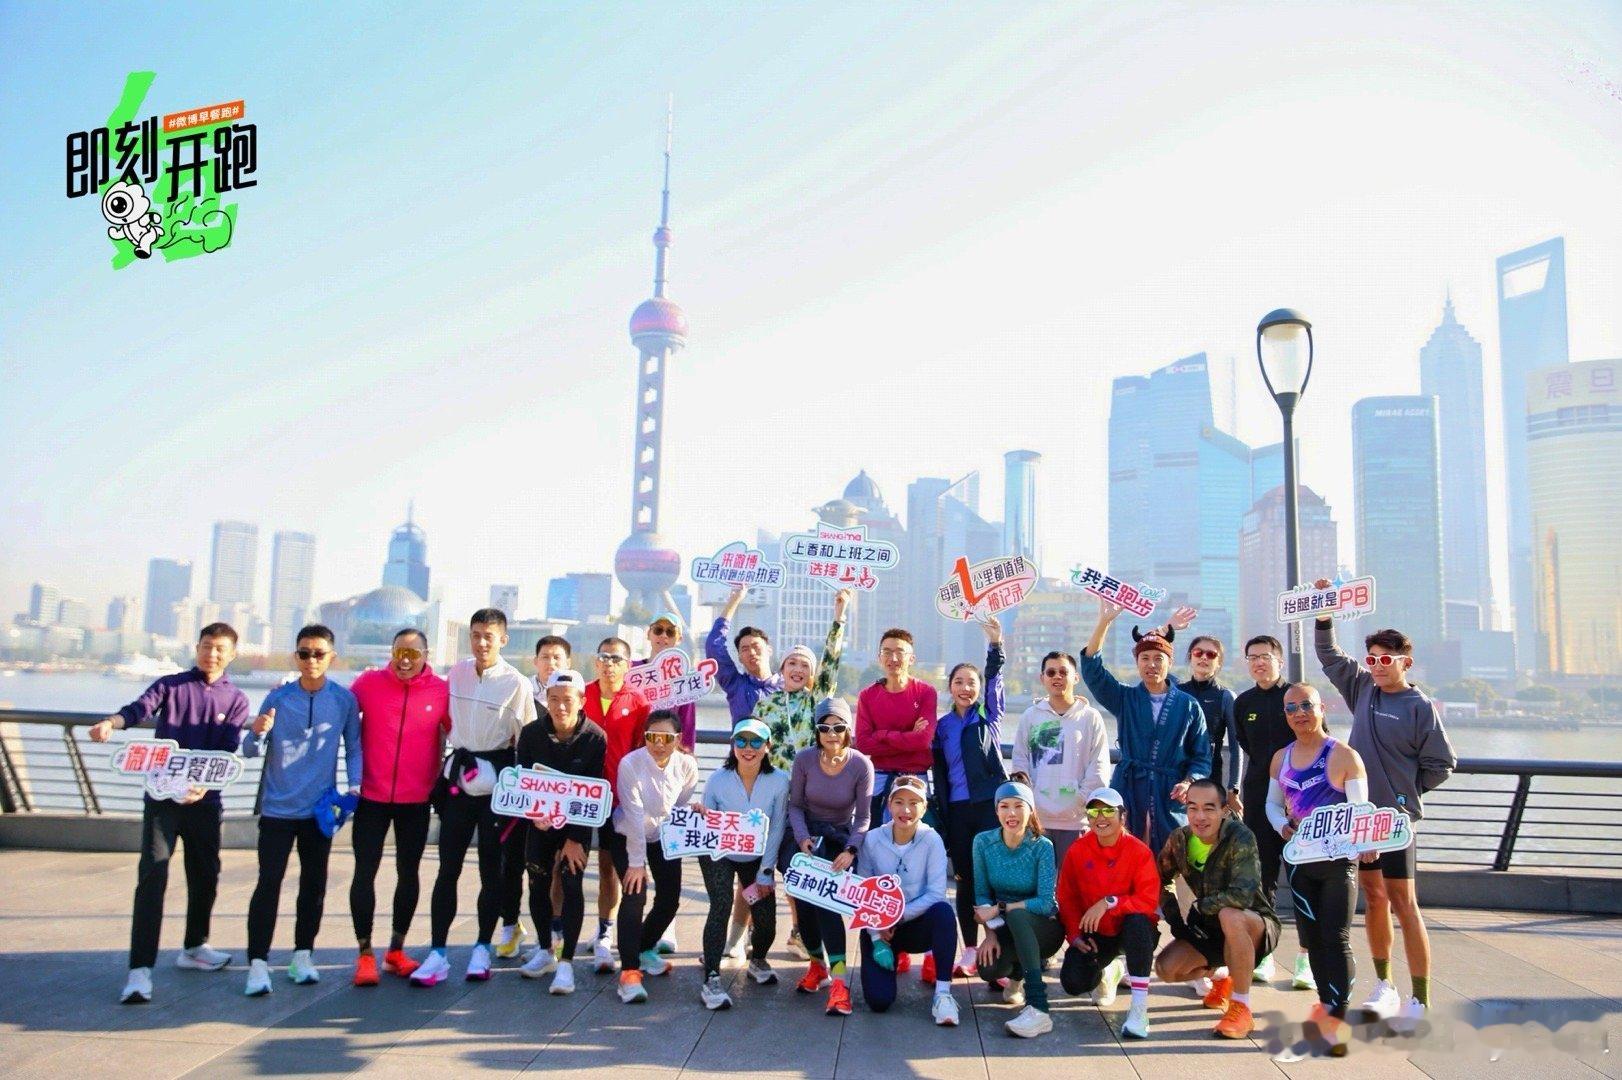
1062,746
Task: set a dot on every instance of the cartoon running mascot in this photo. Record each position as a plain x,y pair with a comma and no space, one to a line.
126,206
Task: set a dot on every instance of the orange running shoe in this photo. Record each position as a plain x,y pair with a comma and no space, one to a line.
366,970
839,999
1335,1032
816,977
1236,1023
927,973
396,962
1221,990
903,962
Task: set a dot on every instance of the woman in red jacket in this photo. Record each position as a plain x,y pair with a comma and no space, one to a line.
1109,905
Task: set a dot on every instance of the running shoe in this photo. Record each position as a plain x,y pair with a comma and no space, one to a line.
396,962
1136,1024
1219,995
301,969
1109,981
563,981
258,984
1303,978
1334,1032
1030,1023
1408,1019
816,978
509,941
968,965
1013,992
667,944
138,989
838,999
762,973
202,958
1383,1002
478,964
540,964
903,963
927,972
796,945
1265,969
432,971
631,989
602,956
943,1010
654,964
713,995
366,970
1235,1023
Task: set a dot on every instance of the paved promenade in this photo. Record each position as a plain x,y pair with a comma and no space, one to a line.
1516,995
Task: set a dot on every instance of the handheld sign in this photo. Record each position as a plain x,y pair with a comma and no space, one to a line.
984,589
713,832
669,679
1139,600
871,903
1341,600
841,558
738,564
556,798
171,772
1347,830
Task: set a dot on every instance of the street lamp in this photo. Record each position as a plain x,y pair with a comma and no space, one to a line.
1284,350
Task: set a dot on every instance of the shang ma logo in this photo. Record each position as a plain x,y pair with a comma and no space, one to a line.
162,181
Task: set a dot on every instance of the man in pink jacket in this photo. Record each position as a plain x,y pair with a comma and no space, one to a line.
895,720
404,717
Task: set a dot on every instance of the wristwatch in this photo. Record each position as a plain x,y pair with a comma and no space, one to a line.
1002,907
1111,901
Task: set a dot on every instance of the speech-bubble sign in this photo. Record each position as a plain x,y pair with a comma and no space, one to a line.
556,798
841,557
1139,599
1347,830
738,564
1341,600
670,679
986,588
713,832
171,773
871,903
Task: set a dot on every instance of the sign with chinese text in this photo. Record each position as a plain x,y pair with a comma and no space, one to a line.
713,832
171,772
841,558
670,679
1139,599
1347,830
738,564
872,903
1341,600
986,588
554,797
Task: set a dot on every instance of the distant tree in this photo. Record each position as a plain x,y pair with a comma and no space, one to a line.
1537,693
1477,690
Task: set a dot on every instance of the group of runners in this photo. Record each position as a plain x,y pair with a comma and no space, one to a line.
1001,868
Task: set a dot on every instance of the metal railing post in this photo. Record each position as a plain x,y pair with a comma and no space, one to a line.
1512,823
12,794
81,775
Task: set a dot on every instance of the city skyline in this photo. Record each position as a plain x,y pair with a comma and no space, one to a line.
836,256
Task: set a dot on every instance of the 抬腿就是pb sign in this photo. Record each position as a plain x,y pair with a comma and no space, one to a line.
556,798
670,679
171,772
738,564
841,558
870,903
162,180
1347,830
1341,600
984,589
1139,599
713,832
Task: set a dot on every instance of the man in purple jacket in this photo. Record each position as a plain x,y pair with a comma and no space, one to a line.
200,710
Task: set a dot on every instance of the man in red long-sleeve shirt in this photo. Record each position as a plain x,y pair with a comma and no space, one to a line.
895,720
1109,904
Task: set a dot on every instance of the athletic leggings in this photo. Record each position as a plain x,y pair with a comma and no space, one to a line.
931,931
461,816
541,849
276,839
163,822
1025,941
1138,936
963,820
513,865
720,875
1325,900
636,934
369,828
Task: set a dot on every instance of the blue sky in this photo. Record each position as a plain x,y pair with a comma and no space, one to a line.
908,238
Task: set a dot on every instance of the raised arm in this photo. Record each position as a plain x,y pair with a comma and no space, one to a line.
833,649
994,704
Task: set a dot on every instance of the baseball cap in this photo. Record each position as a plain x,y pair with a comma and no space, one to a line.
1108,796
567,677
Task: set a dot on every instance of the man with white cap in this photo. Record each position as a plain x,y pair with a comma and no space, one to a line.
1109,902
666,631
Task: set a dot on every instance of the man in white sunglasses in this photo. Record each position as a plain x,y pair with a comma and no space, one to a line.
1396,730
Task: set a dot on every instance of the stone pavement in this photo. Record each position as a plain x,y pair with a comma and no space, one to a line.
1516,995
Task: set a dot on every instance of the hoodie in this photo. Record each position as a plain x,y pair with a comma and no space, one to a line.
1067,758
403,724
301,748
921,866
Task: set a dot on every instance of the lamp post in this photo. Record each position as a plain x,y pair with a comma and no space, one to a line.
1284,351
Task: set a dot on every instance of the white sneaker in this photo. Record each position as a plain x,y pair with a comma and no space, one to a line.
1136,1024
541,963
301,969
944,1011
1383,1003
1013,993
563,981
1408,1020
1265,969
1303,978
138,990
970,959
713,995
1030,1023
509,941
433,971
631,991
667,944
602,955
478,964
1108,981
796,945
258,984
202,958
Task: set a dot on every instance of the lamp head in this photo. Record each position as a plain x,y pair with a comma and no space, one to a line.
1284,350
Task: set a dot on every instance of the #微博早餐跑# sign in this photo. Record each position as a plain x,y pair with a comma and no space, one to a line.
841,557
986,588
713,832
738,564
556,798
1140,599
171,773
1341,599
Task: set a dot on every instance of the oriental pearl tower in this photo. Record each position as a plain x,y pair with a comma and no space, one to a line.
646,567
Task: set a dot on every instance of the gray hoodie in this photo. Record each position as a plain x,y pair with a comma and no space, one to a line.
1399,736
921,868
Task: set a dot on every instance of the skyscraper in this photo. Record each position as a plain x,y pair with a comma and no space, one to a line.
233,562
168,582
645,566
123,612
407,564
44,603
885,606
72,611
1261,558
1450,371
1019,504
943,525
504,598
1531,334
1574,441
579,597
1395,482
292,582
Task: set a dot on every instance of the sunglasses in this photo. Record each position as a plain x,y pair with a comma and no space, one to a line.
1055,673
1204,654
660,737
314,654
748,742
1383,660
408,654
1096,812
1293,707
831,729
611,658
909,783
662,630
